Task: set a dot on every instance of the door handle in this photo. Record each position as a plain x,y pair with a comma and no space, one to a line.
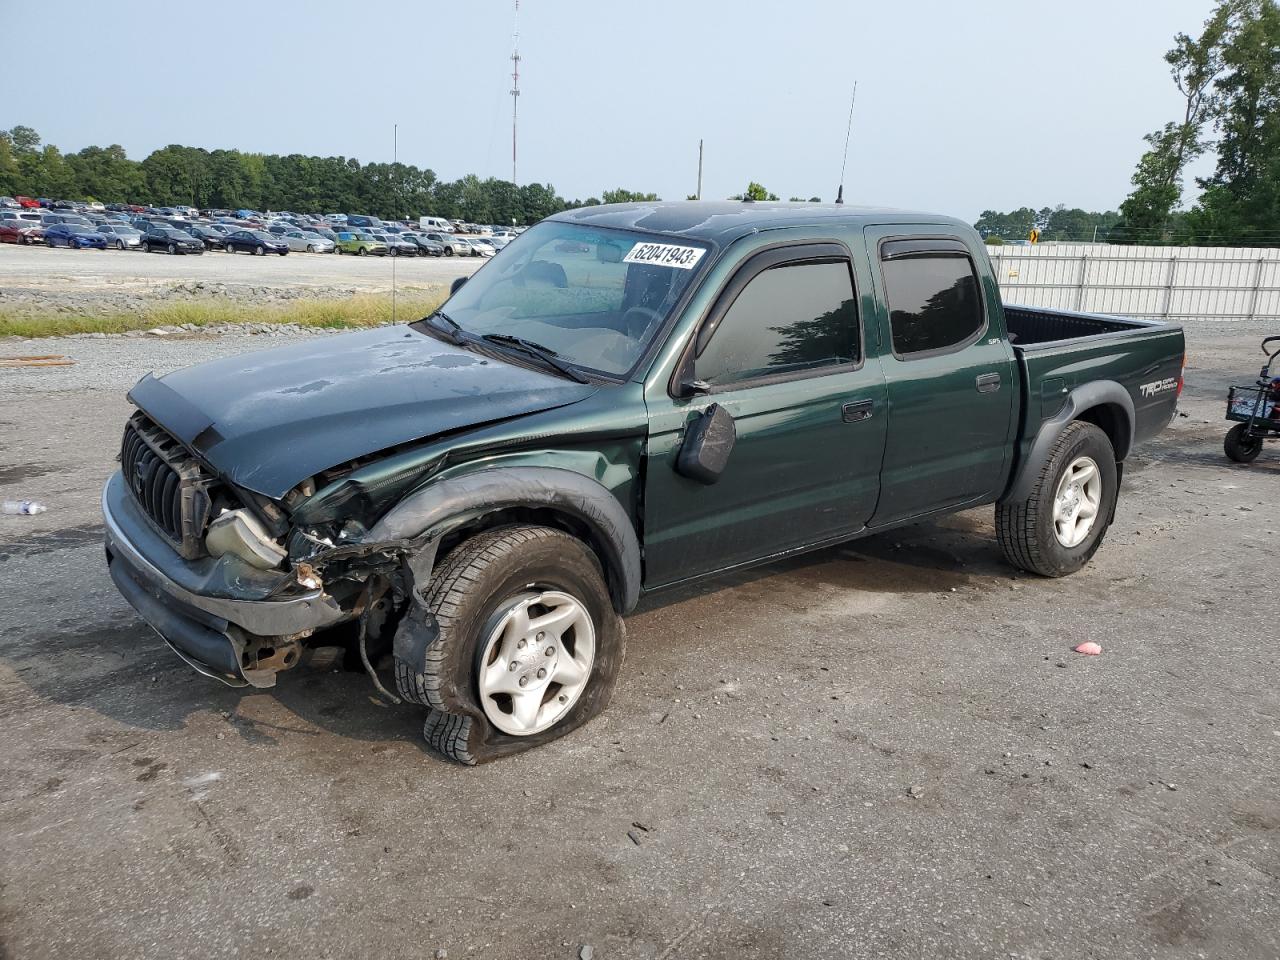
857,410
988,382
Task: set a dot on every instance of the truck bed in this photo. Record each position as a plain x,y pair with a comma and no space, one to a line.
1031,325
1058,351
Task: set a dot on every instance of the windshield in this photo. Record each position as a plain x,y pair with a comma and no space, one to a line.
594,296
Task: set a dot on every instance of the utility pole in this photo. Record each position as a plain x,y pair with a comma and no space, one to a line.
699,169
515,86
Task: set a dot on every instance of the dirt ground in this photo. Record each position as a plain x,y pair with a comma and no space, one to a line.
884,750
59,279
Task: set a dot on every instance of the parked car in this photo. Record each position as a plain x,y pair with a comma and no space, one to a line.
426,248
360,243
478,247
257,242
436,224
28,203
71,219
171,240
8,203
454,245
397,246
750,402
73,236
13,230
212,239
308,242
121,235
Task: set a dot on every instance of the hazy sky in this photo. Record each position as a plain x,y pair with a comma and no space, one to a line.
961,106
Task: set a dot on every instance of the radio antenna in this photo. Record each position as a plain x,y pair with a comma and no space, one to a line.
847,131
395,158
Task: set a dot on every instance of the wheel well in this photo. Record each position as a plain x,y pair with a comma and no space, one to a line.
1110,418
542,517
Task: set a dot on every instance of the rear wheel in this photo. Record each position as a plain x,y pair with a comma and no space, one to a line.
528,649
1060,526
1241,447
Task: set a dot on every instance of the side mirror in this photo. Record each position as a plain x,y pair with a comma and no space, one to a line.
707,445
456,285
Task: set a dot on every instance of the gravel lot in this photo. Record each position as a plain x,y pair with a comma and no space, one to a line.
884,750
71,280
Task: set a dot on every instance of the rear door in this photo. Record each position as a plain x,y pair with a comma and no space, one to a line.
782,351
949,372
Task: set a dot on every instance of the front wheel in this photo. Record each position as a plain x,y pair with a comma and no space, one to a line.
119,244
1240,446
173,249
528,646
361,251
448,251
1060,526
259,251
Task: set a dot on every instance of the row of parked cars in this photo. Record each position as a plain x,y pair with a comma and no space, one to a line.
184,230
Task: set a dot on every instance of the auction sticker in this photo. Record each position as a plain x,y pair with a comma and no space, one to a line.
665,255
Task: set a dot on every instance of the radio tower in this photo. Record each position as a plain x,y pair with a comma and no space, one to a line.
515,86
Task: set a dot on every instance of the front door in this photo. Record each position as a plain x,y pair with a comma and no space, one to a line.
782,352
950,374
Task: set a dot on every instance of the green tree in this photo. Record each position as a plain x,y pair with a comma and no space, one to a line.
627,196
1195,64
1241,201
755,192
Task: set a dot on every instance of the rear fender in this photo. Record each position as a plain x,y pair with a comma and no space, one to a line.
1112,409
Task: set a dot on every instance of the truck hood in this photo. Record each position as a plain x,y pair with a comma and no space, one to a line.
267,421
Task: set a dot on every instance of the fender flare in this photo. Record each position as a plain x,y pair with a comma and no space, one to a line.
444,505
1078,401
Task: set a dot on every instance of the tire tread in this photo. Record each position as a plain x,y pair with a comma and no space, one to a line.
450,584
1017,521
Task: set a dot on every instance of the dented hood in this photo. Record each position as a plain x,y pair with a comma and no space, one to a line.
268,420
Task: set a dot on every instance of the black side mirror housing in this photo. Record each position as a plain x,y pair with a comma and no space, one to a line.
456,285
707,445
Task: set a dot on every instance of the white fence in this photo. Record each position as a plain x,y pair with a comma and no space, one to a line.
1172,283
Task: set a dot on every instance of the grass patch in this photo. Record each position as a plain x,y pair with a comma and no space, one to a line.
362,310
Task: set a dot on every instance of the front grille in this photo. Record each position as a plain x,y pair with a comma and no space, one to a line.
168,483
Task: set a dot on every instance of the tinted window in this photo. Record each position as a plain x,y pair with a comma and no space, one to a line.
933,303
789,318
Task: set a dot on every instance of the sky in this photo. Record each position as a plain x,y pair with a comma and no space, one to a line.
961,107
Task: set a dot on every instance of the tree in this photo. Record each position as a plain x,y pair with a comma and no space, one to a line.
1242,198
627,196
755,192
1230,76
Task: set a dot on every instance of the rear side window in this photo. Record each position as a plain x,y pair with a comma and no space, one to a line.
933,303
790,318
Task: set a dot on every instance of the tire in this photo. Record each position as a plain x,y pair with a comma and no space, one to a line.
259,251
120,245
312,248
1027,530
1239,447
73,244
448,251
361,251
173,249
469,594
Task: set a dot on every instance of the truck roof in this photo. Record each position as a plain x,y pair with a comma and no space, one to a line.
723,221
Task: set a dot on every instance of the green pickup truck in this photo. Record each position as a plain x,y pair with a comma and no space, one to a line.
626,398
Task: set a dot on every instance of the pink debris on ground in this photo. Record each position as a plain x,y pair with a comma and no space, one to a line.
1089,648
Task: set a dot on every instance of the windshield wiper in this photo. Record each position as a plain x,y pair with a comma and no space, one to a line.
536,350
453,330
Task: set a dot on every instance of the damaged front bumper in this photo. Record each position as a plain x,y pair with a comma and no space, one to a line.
223,617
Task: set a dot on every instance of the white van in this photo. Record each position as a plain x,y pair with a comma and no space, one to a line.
439,224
